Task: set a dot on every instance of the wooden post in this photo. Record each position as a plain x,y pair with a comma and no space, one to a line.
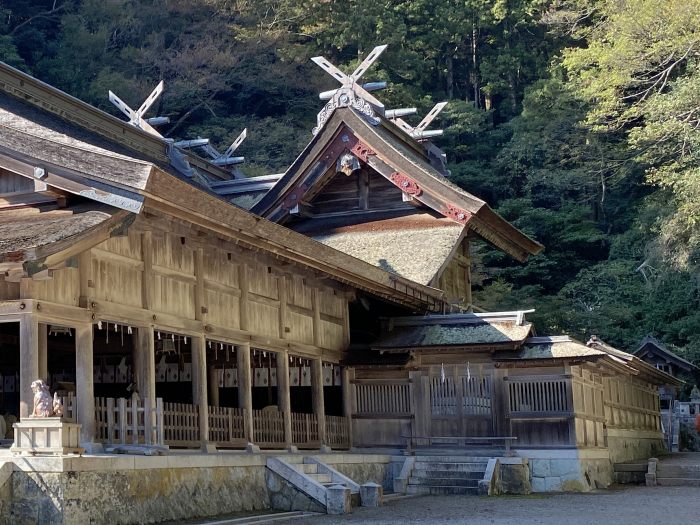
468,275
84,386
42,349
346,376
145,372
284,396
245,394
199,388
28,362
318,401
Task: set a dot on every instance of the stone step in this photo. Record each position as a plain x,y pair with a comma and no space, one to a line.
453,459
321,478
306,468
462,467
442,491
444,482
454,474
678,482
678,471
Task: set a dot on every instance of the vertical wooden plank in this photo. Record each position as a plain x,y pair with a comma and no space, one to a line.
147,275
86,278
199,290
282,294
243,305
315,305
28,362
84,386
121,420
245,394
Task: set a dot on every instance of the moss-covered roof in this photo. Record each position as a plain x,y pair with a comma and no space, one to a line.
555,348
413,247
454,330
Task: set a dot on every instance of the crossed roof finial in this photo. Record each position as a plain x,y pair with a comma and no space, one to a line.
136,116
351,93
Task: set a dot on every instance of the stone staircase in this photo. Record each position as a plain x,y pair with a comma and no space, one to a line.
447,475
308,484
677,474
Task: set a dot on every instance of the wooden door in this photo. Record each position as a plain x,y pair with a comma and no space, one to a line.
461,405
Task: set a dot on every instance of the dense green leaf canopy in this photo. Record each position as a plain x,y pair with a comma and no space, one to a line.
577,119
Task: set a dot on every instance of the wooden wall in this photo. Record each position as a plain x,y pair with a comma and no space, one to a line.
455,279
361,190
184,277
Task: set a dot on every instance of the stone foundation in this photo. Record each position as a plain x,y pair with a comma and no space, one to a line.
138,489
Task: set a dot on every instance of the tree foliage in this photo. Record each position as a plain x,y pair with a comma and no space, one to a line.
577,119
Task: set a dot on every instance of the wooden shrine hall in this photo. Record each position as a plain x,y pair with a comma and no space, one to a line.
171,302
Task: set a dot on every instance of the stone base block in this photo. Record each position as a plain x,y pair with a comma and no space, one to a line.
325,449
371,495
46,435
252,448
338,500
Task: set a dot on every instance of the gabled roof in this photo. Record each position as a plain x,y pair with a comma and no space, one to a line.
400,159
111,183
652,345
104,127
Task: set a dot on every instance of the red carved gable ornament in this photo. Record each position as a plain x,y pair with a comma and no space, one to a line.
362,151
406,183
294,197
457,214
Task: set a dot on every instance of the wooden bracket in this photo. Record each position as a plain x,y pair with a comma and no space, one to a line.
406,183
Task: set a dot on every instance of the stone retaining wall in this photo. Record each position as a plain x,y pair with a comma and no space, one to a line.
136,489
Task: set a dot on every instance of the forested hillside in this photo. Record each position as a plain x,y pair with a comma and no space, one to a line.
577,119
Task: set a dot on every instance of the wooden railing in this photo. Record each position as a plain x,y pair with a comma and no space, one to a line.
226,426
69,408
337,432
383,398
129,421
305,429
181,424
536,397
268,428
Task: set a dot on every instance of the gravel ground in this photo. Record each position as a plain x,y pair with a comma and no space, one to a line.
624,506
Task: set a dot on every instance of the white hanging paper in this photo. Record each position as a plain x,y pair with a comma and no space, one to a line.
261,377
305,376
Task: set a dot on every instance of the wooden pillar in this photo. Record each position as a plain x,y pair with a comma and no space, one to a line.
283,395
199,387
245,385
28,362
213,386
145,363
346,377
43,352
317,395
84,386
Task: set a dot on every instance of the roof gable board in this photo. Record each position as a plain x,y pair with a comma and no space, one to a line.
384,148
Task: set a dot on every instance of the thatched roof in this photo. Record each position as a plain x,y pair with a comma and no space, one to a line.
22,234
414,247
456,330
557,347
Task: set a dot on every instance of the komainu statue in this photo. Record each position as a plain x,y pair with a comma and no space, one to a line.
44,405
